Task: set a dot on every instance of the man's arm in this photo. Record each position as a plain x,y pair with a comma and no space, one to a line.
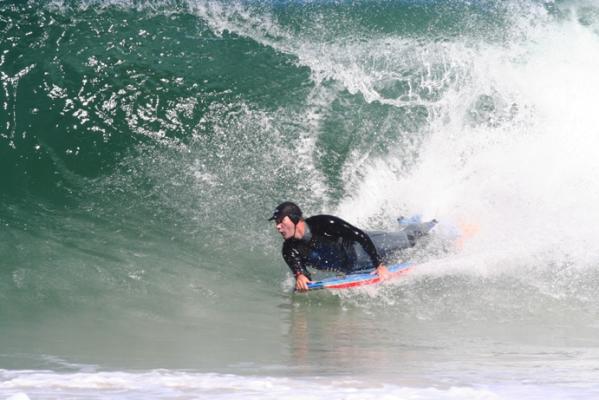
292,257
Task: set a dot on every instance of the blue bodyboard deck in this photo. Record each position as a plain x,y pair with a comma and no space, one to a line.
359,279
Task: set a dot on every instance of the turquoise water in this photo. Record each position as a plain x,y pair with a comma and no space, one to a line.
143,145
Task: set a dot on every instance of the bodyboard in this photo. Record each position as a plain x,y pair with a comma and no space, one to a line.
359,279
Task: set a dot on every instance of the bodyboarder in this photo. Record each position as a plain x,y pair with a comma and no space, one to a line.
326,242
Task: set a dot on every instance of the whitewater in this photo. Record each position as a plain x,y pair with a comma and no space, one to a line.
144,145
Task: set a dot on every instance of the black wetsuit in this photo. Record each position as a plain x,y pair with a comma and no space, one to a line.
330,243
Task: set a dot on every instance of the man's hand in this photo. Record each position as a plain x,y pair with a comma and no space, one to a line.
382,271
301,283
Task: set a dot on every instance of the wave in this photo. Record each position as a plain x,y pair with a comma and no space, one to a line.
144,144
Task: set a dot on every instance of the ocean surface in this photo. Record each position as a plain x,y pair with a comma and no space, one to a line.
144,144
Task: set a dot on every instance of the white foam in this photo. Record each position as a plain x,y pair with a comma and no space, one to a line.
18,396
525,172
185,384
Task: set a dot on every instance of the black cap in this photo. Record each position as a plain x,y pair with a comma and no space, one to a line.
287,209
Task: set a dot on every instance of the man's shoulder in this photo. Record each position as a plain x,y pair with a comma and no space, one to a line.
325,219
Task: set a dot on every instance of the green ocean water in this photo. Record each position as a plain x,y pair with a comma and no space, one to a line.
144,144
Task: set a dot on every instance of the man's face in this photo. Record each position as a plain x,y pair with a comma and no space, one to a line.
285,227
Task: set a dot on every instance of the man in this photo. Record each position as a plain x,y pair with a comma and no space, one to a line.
329,243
